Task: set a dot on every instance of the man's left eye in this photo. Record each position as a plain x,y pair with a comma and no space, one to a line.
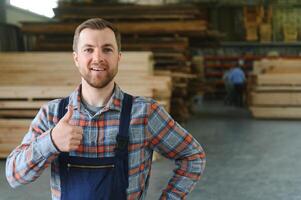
107,50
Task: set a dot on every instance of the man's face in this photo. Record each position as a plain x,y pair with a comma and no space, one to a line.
97,56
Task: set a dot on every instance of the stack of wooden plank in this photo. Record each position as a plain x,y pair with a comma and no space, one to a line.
258,19
28,80
275,89
290,32
265,32
125,12
165,30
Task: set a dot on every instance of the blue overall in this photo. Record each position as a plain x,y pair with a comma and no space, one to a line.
104,178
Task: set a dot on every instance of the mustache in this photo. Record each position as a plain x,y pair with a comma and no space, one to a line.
103,65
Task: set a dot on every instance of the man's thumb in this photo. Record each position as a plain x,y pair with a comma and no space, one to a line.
67,117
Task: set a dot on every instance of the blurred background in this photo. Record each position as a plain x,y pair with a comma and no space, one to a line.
229,71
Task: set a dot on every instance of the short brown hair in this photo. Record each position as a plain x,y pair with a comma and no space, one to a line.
96,24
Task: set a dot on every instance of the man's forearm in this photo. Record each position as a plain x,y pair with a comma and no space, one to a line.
187,173
27,161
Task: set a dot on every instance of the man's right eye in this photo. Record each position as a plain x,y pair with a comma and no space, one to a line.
89,50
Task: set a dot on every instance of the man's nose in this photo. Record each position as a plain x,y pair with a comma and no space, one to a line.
98,56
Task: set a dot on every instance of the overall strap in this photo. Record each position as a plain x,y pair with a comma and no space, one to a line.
125,117
62,107
121,181
61,112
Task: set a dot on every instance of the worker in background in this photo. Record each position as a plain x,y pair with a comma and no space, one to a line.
99,140
237,78
229,98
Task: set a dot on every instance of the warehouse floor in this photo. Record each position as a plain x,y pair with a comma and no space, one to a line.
246,159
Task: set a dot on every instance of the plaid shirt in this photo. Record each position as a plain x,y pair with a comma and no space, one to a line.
151,128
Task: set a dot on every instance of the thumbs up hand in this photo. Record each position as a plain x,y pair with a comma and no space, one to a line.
65,136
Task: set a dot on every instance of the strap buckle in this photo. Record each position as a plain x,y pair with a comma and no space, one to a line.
122,142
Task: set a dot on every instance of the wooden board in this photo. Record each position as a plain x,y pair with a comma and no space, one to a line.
11,134
277,66
54,62
34,92
279,88
276,112
278,79
162,27
18,113
276,98
156,44
115,9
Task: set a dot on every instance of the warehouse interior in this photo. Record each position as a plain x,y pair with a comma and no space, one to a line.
178,53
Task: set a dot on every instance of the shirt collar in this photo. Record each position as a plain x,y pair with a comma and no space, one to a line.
114,102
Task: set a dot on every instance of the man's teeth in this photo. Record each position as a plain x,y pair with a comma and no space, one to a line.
97,69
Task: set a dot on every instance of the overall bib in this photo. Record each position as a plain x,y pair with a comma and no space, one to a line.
104,178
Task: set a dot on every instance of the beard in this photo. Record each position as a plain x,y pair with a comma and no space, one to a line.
99,81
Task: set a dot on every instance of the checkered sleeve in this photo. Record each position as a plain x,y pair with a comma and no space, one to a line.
28,160
172,141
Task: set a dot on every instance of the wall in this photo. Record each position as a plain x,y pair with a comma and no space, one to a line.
14,15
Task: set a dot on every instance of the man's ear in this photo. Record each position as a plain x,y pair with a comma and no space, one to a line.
75,58
119,56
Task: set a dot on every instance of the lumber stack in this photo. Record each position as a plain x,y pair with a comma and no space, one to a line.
290,32
258,19
275,90
166,30
29,80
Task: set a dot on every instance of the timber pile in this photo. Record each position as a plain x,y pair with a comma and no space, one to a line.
165,30
29,80
258,19
275,91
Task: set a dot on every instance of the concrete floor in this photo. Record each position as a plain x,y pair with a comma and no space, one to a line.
247,159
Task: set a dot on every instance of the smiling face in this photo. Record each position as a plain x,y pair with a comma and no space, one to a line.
97,57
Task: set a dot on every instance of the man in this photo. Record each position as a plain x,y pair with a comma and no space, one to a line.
101,148
237,78
229,88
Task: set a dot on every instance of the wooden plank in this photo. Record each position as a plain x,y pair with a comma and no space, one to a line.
171,27
276,112
39,92
18,114
69,15
276,98
278,79
14,122
63,61
11,134
11,104
32,92
158,44
277,66
95,8
279,88
6,149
